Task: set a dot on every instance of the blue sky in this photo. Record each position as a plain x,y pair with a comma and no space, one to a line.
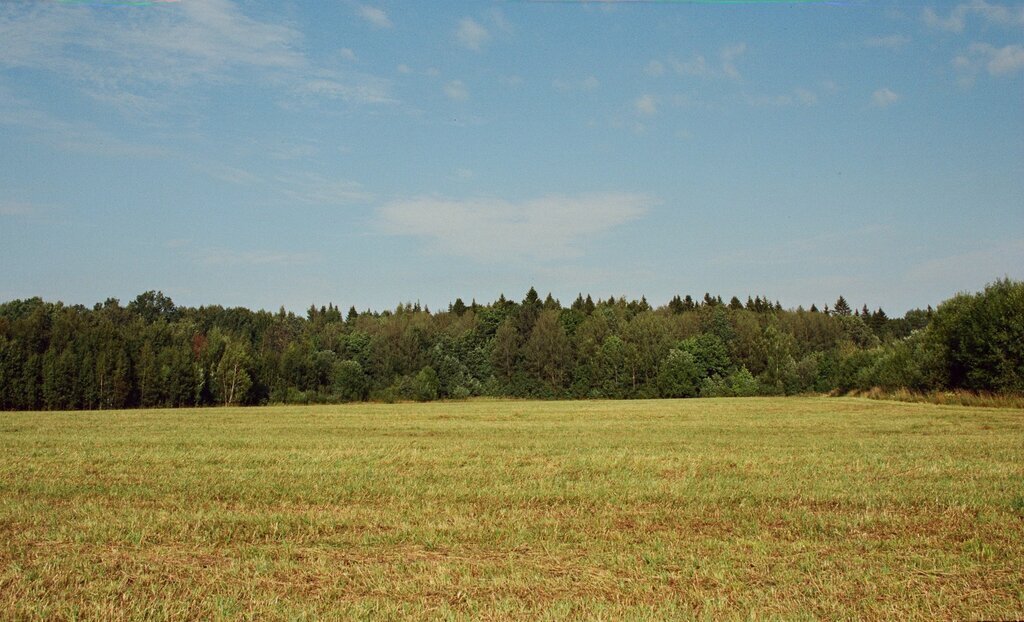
295,153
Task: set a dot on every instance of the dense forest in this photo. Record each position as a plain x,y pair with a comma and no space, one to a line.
152,353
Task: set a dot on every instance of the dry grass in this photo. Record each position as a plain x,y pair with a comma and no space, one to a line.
745,508
945,398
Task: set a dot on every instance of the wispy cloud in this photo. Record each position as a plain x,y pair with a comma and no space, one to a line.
646,105
471,34
956,20
699,66
488,229
376,16
729,56
655,68
996,61
695,66
889,42
138,63
77,137
797,97
575,85
315,189
333,86
511,81
884,97
456,90
231,174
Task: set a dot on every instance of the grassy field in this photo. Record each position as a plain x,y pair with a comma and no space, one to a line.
744,508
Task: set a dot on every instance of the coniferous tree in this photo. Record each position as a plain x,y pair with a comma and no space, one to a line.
547,350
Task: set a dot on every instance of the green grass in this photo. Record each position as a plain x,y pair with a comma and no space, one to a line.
747,508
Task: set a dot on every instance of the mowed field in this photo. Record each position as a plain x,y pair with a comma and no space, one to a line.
741,508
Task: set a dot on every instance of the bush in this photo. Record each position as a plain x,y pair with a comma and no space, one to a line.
426,385
740,383
980,338
349,381
678,375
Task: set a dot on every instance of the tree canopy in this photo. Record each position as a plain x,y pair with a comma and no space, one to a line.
152,353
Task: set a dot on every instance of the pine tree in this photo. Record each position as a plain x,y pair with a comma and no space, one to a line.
841,308
577,305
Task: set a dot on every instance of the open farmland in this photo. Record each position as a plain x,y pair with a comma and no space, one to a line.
742,508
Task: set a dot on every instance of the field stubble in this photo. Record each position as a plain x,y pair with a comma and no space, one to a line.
743,508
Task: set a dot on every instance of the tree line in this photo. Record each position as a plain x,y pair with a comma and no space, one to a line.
153,353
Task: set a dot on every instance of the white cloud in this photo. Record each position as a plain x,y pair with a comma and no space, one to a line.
646,105
698,65
471,34
75,137
1003,60
512,81
500,21
997,61
884,97
403,68
292,151
198,40
376,16
231,175
588,83
456,90
137,64
347,54
369,91
805,96
729,56
984,57
956,21
890,42
488,229
799,96
314,189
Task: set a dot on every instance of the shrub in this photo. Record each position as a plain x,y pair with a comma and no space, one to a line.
678,375
349,381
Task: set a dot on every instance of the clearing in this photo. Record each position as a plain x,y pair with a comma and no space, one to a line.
737,508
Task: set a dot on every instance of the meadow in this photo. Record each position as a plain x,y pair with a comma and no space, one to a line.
759,508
